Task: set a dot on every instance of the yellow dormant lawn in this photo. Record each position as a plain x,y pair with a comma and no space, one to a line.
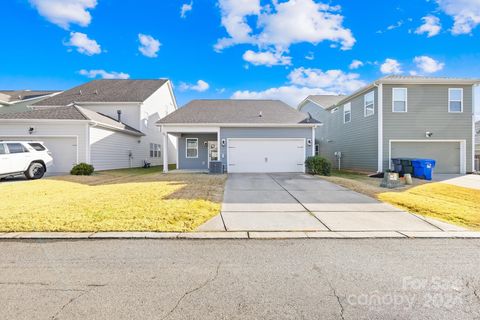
119,200
443,201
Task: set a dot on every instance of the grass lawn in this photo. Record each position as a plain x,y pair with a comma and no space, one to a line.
117,200
442,201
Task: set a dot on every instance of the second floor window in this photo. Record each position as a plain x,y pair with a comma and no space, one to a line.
347,113
399,100
369,104
455,100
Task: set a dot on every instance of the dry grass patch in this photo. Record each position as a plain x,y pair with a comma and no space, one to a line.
118,200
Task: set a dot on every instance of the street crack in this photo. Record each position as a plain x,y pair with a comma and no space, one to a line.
203,285
55,316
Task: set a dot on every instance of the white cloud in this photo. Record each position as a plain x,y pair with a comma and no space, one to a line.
431,26
186,7
200,86
149,46
267,58
83,44
282,24
465,13
391,66
355,64
104,74
428,65
65,12
304,82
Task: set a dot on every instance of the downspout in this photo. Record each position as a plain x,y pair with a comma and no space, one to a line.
379,126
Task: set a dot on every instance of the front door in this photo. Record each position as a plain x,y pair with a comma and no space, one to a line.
212,151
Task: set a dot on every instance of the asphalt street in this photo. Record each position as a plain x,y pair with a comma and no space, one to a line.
240,279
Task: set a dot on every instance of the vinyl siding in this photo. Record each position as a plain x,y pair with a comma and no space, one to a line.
356,140
194,163
427,111
110,150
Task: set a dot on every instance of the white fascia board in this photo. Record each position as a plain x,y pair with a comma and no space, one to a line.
170,88
241,125
43,120
189,129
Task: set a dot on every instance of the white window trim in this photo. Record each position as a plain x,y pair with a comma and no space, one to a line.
349,105
393,100
449,100
186,148
365,104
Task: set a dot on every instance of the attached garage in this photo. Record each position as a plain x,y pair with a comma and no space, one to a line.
63,148
450,156
266,155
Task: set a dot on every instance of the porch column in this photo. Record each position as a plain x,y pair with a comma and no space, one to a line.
165,151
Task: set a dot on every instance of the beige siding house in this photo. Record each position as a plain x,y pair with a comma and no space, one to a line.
396,116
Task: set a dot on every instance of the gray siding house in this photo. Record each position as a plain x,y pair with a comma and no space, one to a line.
241,135
477,146
397,116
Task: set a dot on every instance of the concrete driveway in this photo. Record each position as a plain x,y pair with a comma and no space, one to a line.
299,202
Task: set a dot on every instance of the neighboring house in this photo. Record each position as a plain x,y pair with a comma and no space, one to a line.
245,135
399,116
12,101
477,146
108,123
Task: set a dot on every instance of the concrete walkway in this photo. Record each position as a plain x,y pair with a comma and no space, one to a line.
303,203
471,181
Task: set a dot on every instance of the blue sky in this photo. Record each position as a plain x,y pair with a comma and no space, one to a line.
237,48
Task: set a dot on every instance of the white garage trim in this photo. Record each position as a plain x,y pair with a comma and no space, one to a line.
463,151
274,139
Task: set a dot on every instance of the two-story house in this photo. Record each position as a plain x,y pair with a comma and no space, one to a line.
108,123
399,116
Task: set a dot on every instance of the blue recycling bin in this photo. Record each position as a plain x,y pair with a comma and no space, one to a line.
423,168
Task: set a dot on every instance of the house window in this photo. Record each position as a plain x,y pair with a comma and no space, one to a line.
155,150
399,100
369,109
192,148
347,113
317,149
455,100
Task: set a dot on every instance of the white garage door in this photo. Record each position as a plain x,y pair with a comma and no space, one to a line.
63,149
446,154
266,155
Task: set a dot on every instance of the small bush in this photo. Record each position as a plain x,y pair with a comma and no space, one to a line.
318,165
82,169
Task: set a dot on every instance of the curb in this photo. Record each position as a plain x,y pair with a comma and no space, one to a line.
241,235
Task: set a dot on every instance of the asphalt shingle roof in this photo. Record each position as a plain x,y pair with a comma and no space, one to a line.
237,111
19,95
71,113
114,90
325,100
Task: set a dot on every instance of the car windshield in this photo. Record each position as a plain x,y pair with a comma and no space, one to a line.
37,146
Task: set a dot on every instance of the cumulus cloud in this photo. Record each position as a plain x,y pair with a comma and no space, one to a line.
281,24
104,74
431,26
307,81
200,86
267,58
186,7
83,44
355,64
65,12
149,46
391,66
428,65
465,13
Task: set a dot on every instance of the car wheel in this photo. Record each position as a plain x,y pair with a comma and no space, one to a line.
35,171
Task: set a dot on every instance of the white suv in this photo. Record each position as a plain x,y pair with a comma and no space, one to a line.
30,158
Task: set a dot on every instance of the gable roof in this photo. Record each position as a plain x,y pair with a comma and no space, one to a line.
323,101
111,90
11,96
71,113
236,112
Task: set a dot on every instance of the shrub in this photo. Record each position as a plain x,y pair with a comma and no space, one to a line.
318,165
82,169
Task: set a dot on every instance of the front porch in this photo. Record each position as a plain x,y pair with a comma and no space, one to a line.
196,147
